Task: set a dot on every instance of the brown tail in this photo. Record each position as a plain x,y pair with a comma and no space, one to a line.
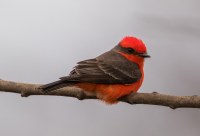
53,86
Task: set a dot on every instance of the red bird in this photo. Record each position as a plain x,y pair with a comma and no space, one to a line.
111,75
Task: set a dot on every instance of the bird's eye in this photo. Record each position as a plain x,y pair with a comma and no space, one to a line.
130,50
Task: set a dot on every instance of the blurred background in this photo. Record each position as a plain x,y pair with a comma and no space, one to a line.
41,40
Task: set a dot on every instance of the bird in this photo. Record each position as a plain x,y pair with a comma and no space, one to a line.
111,75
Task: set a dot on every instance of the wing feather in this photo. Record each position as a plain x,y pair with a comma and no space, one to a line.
104,72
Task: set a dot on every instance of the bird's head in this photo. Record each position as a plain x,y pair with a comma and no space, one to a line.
132,46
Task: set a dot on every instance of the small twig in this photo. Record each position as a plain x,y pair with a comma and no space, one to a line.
134,98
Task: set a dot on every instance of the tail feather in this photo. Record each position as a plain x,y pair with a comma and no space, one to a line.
53,86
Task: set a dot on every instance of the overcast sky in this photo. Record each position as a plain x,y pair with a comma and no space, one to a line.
41,40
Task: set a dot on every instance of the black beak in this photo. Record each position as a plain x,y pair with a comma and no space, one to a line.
144,55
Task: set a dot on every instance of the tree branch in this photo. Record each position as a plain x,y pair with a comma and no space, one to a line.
134,98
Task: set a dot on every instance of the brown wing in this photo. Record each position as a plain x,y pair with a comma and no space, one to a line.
104,72
108,68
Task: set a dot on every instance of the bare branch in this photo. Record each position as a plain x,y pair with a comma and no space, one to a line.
134,98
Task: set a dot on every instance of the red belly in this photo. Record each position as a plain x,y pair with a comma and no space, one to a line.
110,93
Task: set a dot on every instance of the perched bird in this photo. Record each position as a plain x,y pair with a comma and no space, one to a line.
113,74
